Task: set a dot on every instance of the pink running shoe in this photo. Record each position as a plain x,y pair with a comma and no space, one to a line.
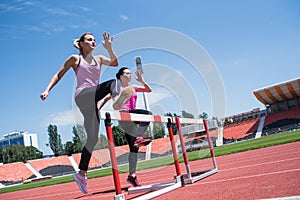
81,181
126,93
133,181
140,141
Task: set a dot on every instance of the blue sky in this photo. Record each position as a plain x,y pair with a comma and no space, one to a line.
250,44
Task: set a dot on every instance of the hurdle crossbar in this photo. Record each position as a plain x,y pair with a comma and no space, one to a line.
123,116
192,177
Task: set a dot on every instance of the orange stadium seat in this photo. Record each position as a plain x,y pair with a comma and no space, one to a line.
241,130
19,173
52,166
162,145
99,157
273,117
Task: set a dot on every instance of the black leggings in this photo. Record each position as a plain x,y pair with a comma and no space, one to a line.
132,131
87,100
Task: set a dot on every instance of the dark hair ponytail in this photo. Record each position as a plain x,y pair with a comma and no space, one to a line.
120,72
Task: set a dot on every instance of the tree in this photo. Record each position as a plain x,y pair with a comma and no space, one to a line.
33,153
69,148
174,127
119,136
172,115
218,121
79,134
203,115
187,115
55,140
158,130
19,153
102,142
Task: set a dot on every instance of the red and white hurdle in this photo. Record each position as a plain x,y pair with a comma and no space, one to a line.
161,188
195,176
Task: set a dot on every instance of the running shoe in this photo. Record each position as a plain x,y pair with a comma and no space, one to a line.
126,93
140,141
81,181
133,181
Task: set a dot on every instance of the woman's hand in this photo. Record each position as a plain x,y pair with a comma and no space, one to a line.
145,87
139,77
44,95
107,41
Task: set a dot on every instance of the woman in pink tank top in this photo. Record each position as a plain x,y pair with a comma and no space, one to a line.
88,92
134,131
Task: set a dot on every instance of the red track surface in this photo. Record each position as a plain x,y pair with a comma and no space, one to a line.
258,174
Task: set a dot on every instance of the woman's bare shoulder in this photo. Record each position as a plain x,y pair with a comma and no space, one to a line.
73,57
72,61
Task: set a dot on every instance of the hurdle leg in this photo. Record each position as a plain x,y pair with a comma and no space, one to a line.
195,176
185,157
201,175
210,144
173,145
114,164
179,179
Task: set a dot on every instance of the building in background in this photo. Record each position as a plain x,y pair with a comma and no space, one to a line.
20,138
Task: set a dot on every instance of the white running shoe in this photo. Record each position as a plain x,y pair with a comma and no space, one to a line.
81,181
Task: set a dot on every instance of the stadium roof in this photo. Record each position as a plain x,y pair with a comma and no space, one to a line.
278,92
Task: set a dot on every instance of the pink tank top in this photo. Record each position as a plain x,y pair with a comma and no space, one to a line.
130,104
87,75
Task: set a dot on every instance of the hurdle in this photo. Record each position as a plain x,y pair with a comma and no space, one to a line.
155,189
192,177
114,165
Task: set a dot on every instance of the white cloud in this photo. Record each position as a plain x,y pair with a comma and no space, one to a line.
35,29
65,118
54,27
124,17
29,3
85,9
58,11
157,96
4,8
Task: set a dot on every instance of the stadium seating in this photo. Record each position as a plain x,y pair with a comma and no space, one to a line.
54,166
99,157
286,114
14,173
241,129
213,133
162,145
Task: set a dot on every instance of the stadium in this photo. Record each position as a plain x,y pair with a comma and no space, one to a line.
242,171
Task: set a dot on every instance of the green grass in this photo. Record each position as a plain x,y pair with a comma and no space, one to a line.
195,155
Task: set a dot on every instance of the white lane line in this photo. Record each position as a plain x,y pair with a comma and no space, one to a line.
284,198
252,176
266,163
250,158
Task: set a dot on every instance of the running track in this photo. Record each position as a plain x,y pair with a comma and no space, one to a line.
272,172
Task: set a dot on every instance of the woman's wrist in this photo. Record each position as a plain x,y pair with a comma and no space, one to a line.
109,49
